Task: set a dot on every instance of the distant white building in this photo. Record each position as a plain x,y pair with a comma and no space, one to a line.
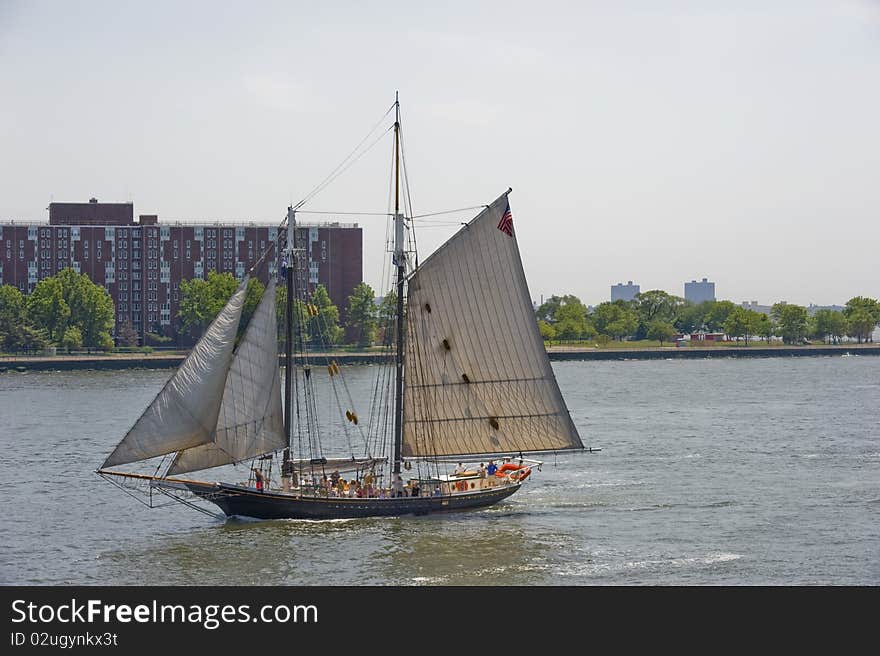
627,292
753,305
697,292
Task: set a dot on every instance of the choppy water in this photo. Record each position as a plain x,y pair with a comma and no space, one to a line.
711,472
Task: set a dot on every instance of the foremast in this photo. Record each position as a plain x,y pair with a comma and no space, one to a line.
400,261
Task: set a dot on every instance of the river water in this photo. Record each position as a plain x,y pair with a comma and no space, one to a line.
712,472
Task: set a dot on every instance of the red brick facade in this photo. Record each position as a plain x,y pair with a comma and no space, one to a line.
142,263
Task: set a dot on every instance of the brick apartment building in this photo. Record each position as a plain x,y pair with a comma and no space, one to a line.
141,263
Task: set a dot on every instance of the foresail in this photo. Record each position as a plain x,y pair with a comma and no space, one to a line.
184,413
477,377
250,422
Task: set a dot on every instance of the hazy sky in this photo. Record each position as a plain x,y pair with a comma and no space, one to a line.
649,141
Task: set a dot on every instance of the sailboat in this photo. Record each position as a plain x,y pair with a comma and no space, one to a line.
470,379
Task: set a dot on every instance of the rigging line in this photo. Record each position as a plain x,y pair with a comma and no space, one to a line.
324,330
345,213
463,209
262,259
378,388
384,384
297,336
335,175
322,183
415,247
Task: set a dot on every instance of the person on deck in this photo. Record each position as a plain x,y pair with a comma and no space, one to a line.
258,476
460,469
491,468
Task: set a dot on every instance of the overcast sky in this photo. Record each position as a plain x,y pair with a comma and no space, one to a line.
649,141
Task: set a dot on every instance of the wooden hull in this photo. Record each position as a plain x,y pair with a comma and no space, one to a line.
235,500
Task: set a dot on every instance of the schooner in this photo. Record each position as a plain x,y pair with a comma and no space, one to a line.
471,383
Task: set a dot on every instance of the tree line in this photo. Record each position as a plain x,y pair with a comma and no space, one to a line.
69,311
658,315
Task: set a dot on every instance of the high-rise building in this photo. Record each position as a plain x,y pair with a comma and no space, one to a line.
697,292
627,292
141,263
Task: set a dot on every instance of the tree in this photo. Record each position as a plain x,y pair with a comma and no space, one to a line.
735,324
567,316
386,316
743,323
72,299
862,314
692,317
616,319
660,330
16,331
548,310
362,313
764,326
252,297
202,299
128,336
323,327
94,314
12,315
718,314
47,308
754,323
657,304
571,321
300,319
792,322
860,324
828,325
72,339
548,332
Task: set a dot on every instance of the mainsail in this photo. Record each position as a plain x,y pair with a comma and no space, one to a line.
184,413
250,422
477,377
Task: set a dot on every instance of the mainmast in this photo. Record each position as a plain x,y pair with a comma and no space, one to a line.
400,261
288,341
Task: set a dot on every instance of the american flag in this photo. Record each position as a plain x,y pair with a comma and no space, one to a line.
505,225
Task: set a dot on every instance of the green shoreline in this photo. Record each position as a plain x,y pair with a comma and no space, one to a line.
556,353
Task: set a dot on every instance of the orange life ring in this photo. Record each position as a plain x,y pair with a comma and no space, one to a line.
520,475
461,486
508,466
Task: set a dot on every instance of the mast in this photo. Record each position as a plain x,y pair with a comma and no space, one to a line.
288,341
399,256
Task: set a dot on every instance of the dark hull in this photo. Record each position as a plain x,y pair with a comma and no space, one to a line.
236,500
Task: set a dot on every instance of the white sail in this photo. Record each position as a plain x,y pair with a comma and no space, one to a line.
250,422
477,377
184,413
